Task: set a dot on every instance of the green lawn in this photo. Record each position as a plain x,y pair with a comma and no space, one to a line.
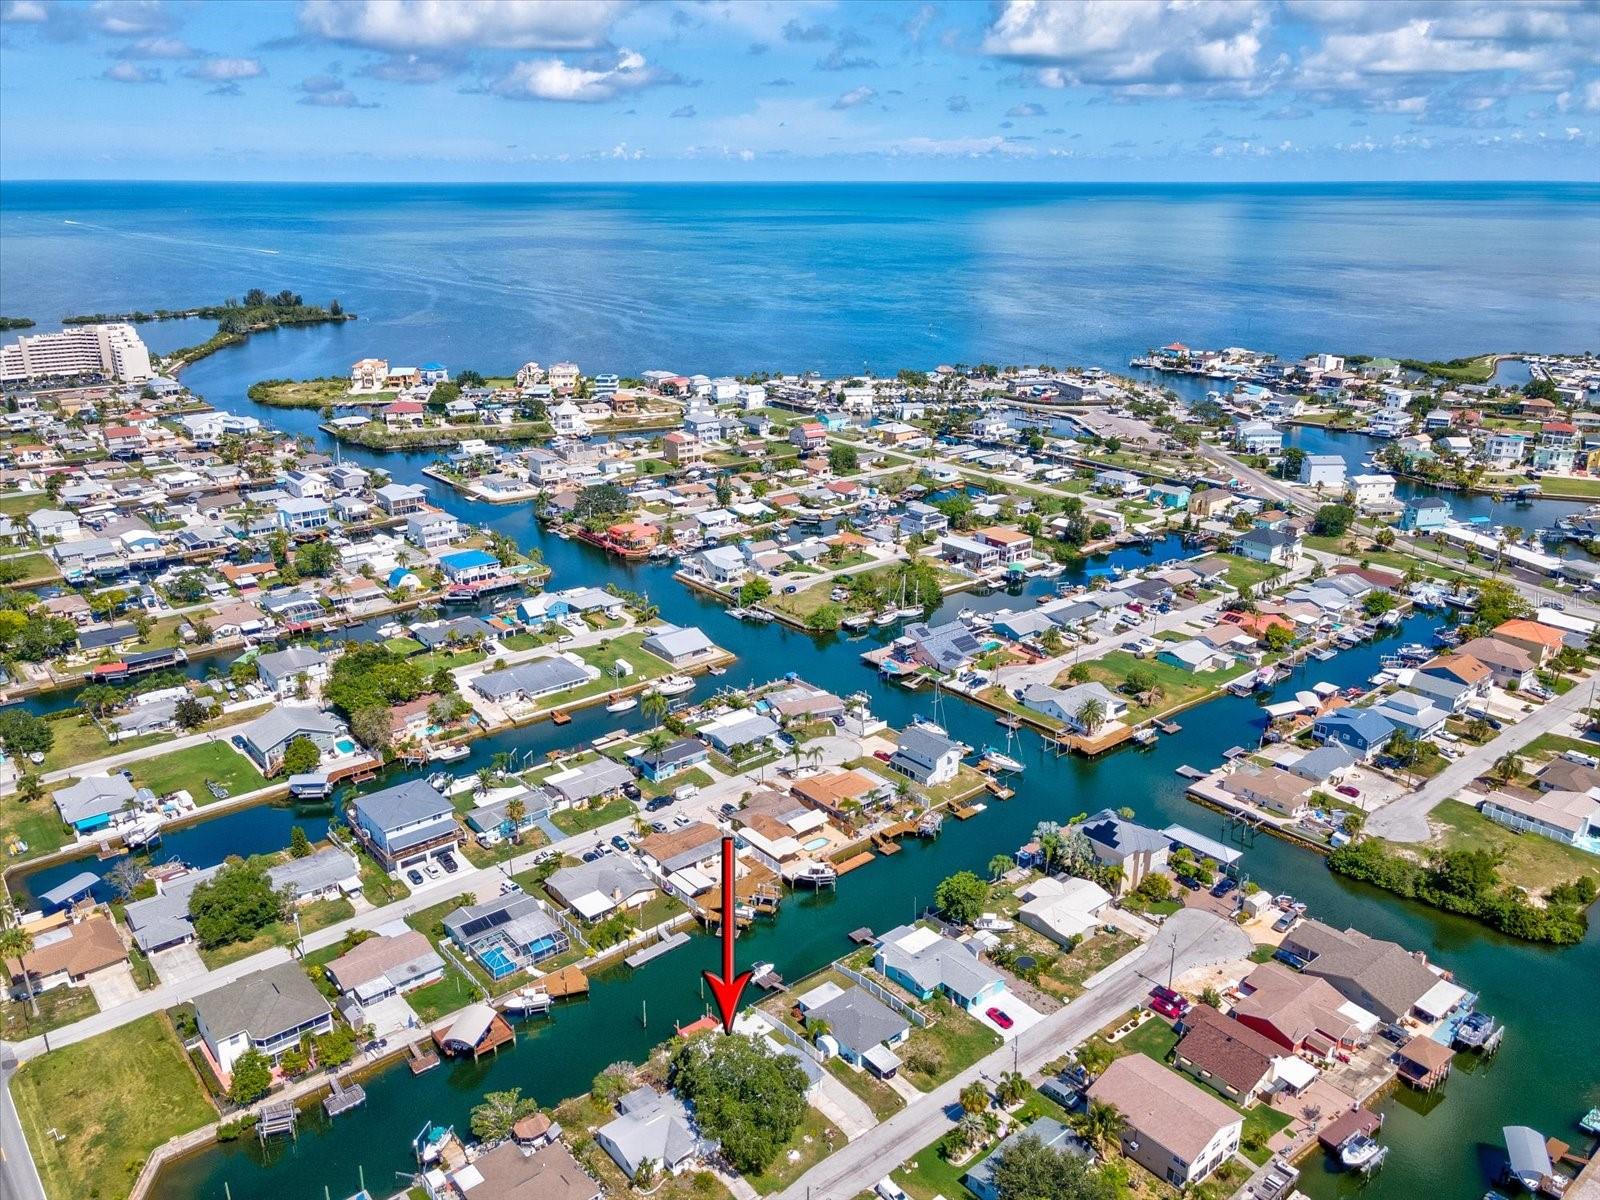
1247,573
581,820
33,566
405,647
928,1175
79,740
1178,685
57,1007
1551,744
1532,862
445,996
188,770
693,776
814,1141
21,506
319,914
1584,489
877,1095
952,1043
38,825
449,660
111,1100
966,782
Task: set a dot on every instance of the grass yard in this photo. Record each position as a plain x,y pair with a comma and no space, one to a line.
1532,862
928,1175
405,647
877,1095
188,770
812,1142
581,820
449,660
445,996
1001,698
37,825
111,1099
966,783
27,567
1179,686
319,914
693,776
1551,744
487,856
1583,489
1067,973
22,505
79,740
57,1007
945,1048
1247,573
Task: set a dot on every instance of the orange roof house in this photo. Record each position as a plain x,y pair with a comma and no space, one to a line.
831,792
634,534
1544,642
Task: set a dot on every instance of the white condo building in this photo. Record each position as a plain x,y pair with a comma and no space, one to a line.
115,351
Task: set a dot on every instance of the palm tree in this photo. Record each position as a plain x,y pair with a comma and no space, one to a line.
974,1098
1091,716
657,740
1507,767
654,707
1050,847
1101,1125
15,941
516,810
1013,1088
485,780
999,865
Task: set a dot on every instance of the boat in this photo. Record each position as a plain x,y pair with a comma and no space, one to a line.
1325,654
1145,736
813,874
440,782
761,969
908,611
760,615
660,551
392,630
622,704
1050,571
1389,619
674,685
966,614
461,595
717,670
454,752
1476,1031
1590,1122
738,613
858,622
887,617
1361,1152
1000,762
527,1000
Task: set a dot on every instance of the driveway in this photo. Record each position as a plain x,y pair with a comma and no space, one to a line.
389,1016
1023,1017
177,964
113,986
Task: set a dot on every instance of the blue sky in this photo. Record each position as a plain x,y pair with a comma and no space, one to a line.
772,89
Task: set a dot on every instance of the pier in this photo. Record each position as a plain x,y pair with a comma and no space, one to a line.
343,1098
650,953
276,1120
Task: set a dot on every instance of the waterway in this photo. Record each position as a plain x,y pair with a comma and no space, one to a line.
1445,1145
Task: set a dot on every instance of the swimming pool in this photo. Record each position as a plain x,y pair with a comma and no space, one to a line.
816,843
345,746
497,962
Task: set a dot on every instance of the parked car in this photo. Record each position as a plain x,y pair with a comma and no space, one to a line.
621,843
448,862
591,855
1283,923
1168,1003
659,826
884,755
1345,789
1223,886
658,804
728,808
509,887
414,876
1000,1017
631,791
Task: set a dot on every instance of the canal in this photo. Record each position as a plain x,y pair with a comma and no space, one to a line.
1445,1145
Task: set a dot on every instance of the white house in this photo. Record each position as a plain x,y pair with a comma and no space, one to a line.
1324,471
1066,704
1372,489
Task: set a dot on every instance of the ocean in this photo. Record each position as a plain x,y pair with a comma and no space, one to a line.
836,278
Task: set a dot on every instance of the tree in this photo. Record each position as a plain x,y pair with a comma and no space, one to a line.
961,897
843,460
371,727
1027,1169
15,941
252,1077
299,843
1101,1125
974,1098
749,1098
999,865
316,558
516,812
1091,715
494,1116
30,787
235,904
301,756
1013,1088
753,591
1332,520
1079,672
190,713
1278,639
1507,768
1155,887
22,733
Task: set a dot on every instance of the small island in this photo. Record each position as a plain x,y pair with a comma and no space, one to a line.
9,323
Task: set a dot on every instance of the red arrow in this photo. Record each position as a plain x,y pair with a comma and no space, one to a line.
727,986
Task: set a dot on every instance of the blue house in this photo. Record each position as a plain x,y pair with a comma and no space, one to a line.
91,803
682,755
924,962
1424,514
469,566
1169,495
434,373
302,516
832,420
1358,729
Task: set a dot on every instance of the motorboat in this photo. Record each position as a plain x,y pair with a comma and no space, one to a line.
760,615
738,613
966,614
622,704
1360,1152
813,874
454,752
392,630
717,670
1476,1030
525,1001
674,685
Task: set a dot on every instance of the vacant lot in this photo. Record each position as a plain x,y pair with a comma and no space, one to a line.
1532,862
111,1100
188,770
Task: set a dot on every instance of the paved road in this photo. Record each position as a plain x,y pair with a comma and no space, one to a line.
19,1178
1200,939
1406,819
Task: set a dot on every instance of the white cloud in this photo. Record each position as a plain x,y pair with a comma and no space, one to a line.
329,91
401,25
973,147
158,47
25,12
855,96
222,69
1137,44
556,79
128,18
127,72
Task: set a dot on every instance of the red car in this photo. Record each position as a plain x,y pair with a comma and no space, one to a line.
1345,789
999,1017
1168,1003
883,754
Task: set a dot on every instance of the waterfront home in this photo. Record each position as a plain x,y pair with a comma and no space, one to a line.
679,645
469,566
324,875
267,1011
530,681
1380,976
1424,514
1067,705
1275,546
861,1029
721,564
369,375
1165,495
1568,816
777,828
282,670
161,921
1134,849
652,1126
95,801
1541,641
70,955
595,890
1118,483
1322,471
926,755
802,702
405,824
1175,1130
1281,792
808,436
738,727
401,499
1194,655
1227,1055
385,965
1258,437
511,1171
432,529
1047,1131
1300,1012
839,794
580,784
1452,681
1372,491
691,855
1013,545
1065,909
1511,666
922,520
491,823
1416,714
267,738
507,933
969,553
1359,729
924,963
1326,764
948,648
672,759
1504,451
1211,502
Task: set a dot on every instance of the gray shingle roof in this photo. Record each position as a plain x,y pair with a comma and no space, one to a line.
859,1020
403,804
263,1003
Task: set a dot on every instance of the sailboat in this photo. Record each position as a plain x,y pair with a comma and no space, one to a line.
622,704
1003,760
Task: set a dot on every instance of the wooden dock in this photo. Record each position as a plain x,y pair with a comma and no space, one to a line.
863,936
422,1060
652,952
277,1119
568,981
343,1098
965,812
854,861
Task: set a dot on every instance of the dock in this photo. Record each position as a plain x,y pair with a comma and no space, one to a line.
421,1060
854,861
568,981
1356,1122
277,1119
1189,772
1167,726
650,953
863,936
343,1098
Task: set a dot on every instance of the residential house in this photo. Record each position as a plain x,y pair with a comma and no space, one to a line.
507,933
738,728
1453,681
923,520
1258,437
266,738
1417,714
679,645
1381,976
1227,1055
693,850
1281,792
1175,1130
267,1011
1194,655
1568,816
683,449
1504,451
405,824
1541,641
1372,491
1300,1012
432,529
469,566
94,801
1359,729
808,436
1063,909
401,499
1047,1131
1512,666
1323,471
595,890
1135,849
326,874
927,756
947,648
840,794
673,759
1068,705
969,553
861,1029
1013,545
1325,765
924,963
281,670
74,954
580,784
384,966
1211,502
1424,514
652,1126
517,1170
530,681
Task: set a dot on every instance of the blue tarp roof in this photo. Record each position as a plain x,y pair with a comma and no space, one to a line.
469,558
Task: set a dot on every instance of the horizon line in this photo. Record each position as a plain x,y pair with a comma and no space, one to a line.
453,183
